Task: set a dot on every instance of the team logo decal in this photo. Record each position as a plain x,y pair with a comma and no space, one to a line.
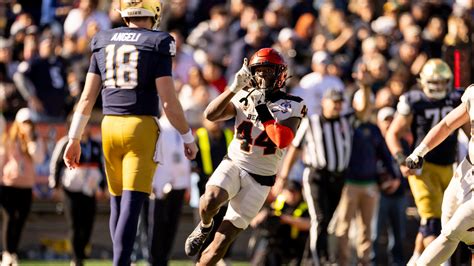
284,107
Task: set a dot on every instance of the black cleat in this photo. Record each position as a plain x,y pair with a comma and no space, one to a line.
196,239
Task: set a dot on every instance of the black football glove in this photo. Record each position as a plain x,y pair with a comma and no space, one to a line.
414,161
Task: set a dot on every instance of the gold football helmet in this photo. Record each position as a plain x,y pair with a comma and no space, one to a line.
435,78
141,8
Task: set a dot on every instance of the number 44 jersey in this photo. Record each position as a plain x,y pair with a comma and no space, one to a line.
251,149
129,60
426,114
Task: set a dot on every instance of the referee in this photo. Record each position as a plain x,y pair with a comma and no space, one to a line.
326,143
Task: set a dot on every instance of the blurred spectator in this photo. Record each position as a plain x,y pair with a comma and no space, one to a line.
80,186
384,98
239,27
79,19
433,35
54,12
6,57
340,41
211,38
176,17
182,61
213,73
275,17
23,151
458,31
115,18
282,229
255,38
285,44
305,28
313,85
170,182
195,96
392,206
42,82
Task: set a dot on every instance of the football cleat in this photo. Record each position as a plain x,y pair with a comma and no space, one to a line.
196,239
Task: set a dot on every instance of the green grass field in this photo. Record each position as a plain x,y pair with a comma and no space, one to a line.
108,263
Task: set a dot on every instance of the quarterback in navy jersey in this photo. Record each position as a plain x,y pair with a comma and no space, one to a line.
419,111
133,67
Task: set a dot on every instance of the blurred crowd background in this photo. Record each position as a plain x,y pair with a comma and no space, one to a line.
44,53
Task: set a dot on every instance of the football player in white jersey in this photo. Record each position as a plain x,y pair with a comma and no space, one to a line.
266,119
458,203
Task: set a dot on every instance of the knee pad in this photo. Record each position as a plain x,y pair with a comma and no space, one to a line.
430,227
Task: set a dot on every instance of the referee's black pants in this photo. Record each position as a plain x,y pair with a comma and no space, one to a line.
322,191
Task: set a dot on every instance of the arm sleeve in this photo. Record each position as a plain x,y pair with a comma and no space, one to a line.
94,67
163,66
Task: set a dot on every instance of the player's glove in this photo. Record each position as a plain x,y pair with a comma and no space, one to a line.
242,78
263,113
414,161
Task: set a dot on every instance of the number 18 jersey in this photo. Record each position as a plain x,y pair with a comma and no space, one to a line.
128,61
252,149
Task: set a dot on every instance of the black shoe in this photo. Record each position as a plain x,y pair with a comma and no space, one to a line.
196,239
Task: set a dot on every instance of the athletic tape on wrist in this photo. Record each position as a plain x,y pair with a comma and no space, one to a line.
421,150
188,137
78,124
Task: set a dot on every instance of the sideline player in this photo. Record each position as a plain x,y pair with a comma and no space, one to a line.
266,119
419,111
132,63
458,202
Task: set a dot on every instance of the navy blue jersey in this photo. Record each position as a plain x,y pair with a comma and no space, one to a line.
129,60
426,114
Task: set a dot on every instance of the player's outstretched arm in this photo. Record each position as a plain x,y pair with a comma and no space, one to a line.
81,116
454,120
175,114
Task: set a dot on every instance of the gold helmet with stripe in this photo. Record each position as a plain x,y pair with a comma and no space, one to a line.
141,8
436,78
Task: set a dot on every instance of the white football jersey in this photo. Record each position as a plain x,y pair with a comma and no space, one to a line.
251,149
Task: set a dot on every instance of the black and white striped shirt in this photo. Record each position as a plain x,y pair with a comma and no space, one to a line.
327,143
